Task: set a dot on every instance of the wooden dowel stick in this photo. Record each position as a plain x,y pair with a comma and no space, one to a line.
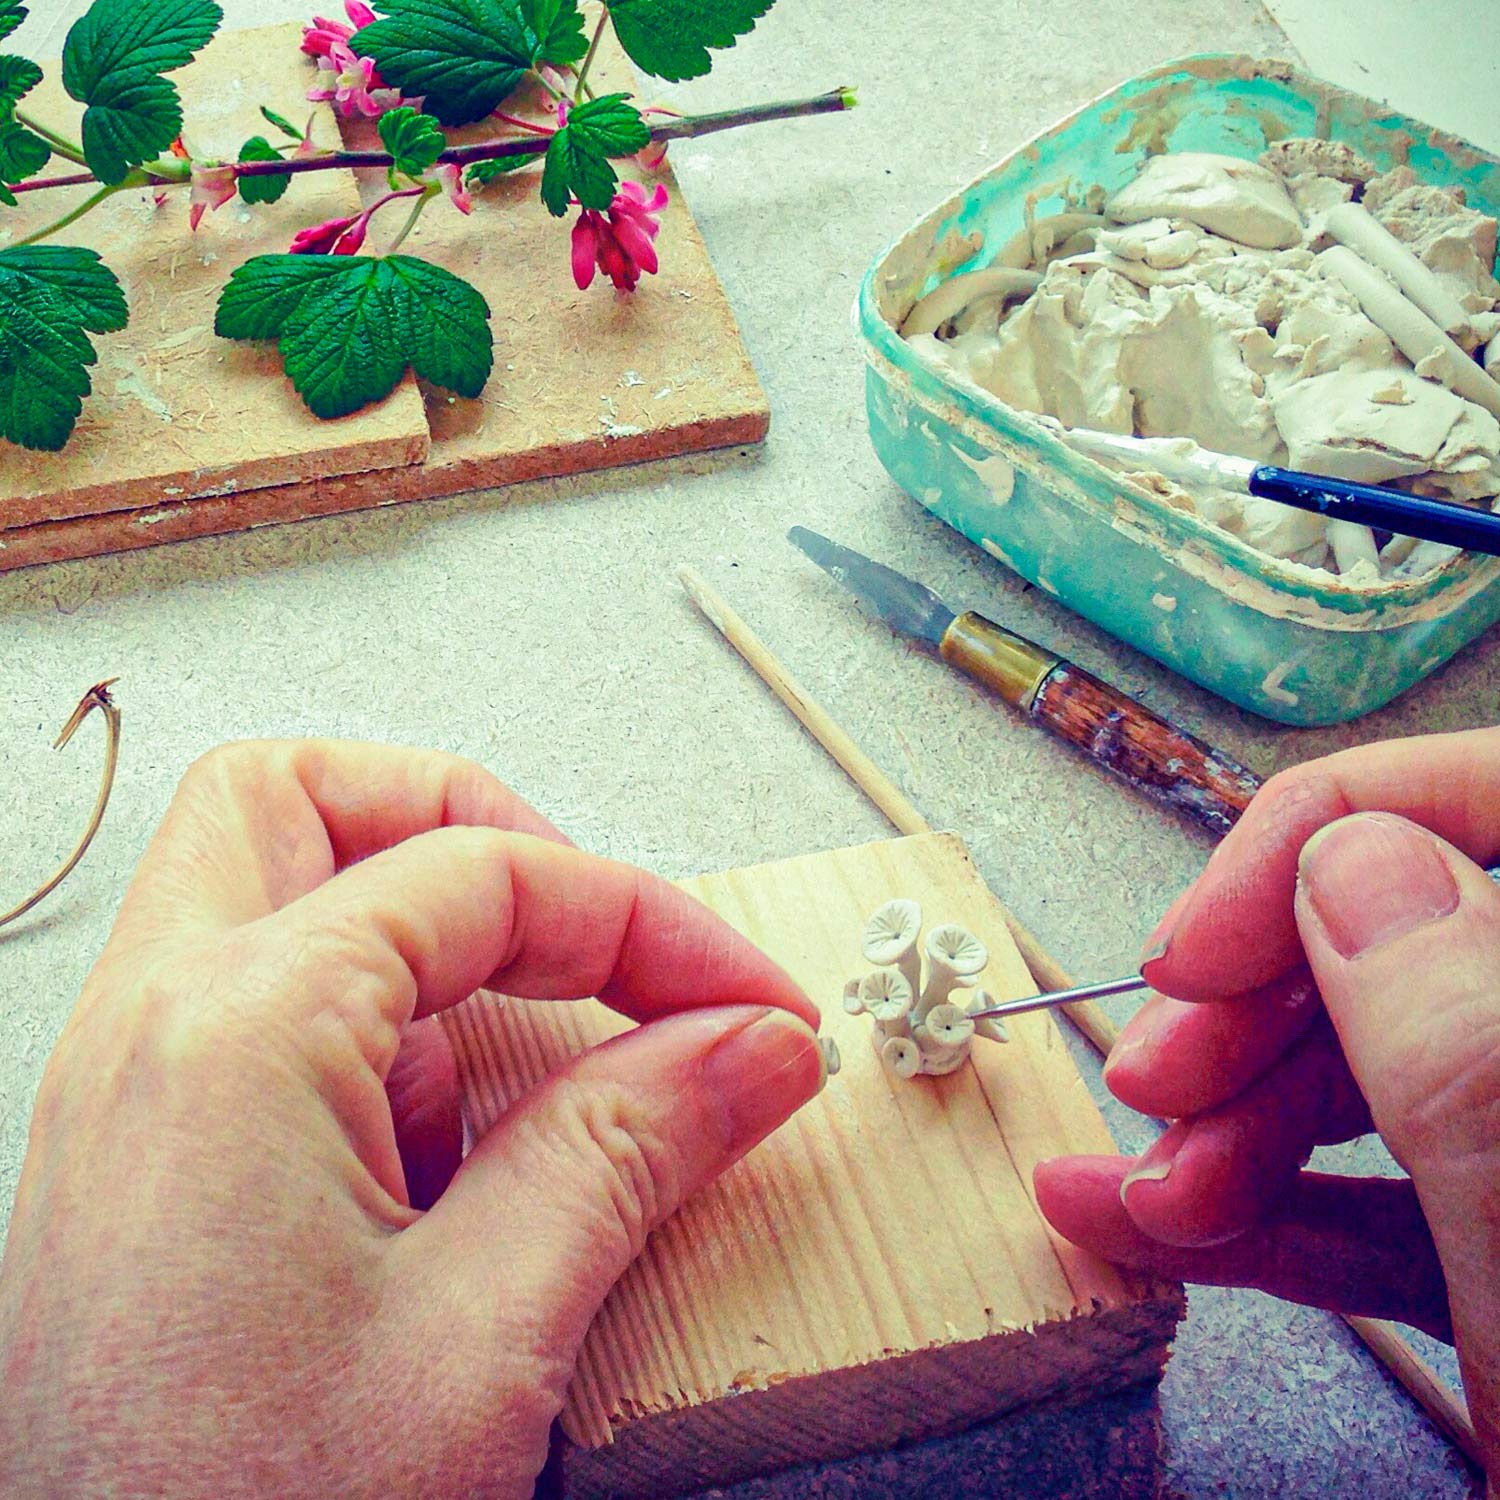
1444,1407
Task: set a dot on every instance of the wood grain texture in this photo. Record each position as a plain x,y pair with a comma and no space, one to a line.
582,380
878,1270
177,412
1168,764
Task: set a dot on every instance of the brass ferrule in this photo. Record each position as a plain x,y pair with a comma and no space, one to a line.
1015,667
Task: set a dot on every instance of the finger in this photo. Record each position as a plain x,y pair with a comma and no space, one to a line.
1403,934
1178,1058
554,1203
419,927
1353,1245
423,1090
1236,931
1216,1175
253,826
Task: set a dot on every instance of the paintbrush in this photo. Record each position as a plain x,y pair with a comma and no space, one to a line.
1184,462
1149,753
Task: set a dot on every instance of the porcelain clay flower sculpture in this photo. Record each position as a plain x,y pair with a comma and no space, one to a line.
918,1028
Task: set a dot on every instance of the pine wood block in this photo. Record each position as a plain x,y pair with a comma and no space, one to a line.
582,380
877,1271
179,414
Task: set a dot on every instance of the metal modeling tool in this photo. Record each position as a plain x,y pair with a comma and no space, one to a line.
1149,753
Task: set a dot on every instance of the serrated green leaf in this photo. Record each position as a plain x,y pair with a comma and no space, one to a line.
350,325
442,325
51,297
481,173
557,26
113,60
461,56
670,38
12,13
280,122
268,189
88,291
18,76
577,156
413,138
21,153
264,292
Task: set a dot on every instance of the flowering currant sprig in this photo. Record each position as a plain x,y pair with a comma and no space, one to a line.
349,324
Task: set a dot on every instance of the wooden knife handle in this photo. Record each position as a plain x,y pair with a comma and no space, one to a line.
1150,753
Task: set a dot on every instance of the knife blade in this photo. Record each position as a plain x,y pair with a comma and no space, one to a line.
1149,753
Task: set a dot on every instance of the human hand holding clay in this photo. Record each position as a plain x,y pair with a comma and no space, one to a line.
219,1279
1359,877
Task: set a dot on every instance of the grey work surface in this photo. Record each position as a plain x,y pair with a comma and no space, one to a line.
540,631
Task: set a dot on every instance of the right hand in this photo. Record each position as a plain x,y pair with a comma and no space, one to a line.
1360,879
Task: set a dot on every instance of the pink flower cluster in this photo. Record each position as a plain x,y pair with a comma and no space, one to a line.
621,244
345,78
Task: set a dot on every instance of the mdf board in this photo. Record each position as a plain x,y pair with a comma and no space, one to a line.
189,435
875,1272
178,413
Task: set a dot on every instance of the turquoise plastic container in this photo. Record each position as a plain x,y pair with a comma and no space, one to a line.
1295,646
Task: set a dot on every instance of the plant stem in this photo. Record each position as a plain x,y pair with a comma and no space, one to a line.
60,145
88,205
588,61
521,124
34,184
669,130
535,74
425,196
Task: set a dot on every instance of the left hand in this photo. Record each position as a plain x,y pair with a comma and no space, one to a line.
218,1278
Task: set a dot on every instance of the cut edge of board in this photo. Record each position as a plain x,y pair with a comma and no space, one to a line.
895,1397
250,510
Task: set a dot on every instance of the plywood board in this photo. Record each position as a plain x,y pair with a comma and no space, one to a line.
177,412
582,380
878,1270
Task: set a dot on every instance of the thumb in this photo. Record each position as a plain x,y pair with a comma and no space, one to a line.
555,1202
1403,935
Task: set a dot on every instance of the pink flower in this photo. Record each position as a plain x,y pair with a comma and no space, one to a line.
336,237
319,38
353,83
451,178
622,245
213,186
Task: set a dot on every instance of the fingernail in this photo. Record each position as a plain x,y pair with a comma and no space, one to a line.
762,1073
1372,879
1160,940
1156,1163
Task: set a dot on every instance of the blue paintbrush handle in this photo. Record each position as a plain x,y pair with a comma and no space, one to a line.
1390,510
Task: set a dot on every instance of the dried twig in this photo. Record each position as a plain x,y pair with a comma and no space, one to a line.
96,697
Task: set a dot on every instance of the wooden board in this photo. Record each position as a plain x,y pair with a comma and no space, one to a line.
177,412
877,1271
583,380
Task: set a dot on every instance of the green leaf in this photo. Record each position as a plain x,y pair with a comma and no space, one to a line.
280,122
21,153
671,38
461,56
268,189
577,156
18,76
350,325
557,26
113,60
12,13
51,298
482,173
413,138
